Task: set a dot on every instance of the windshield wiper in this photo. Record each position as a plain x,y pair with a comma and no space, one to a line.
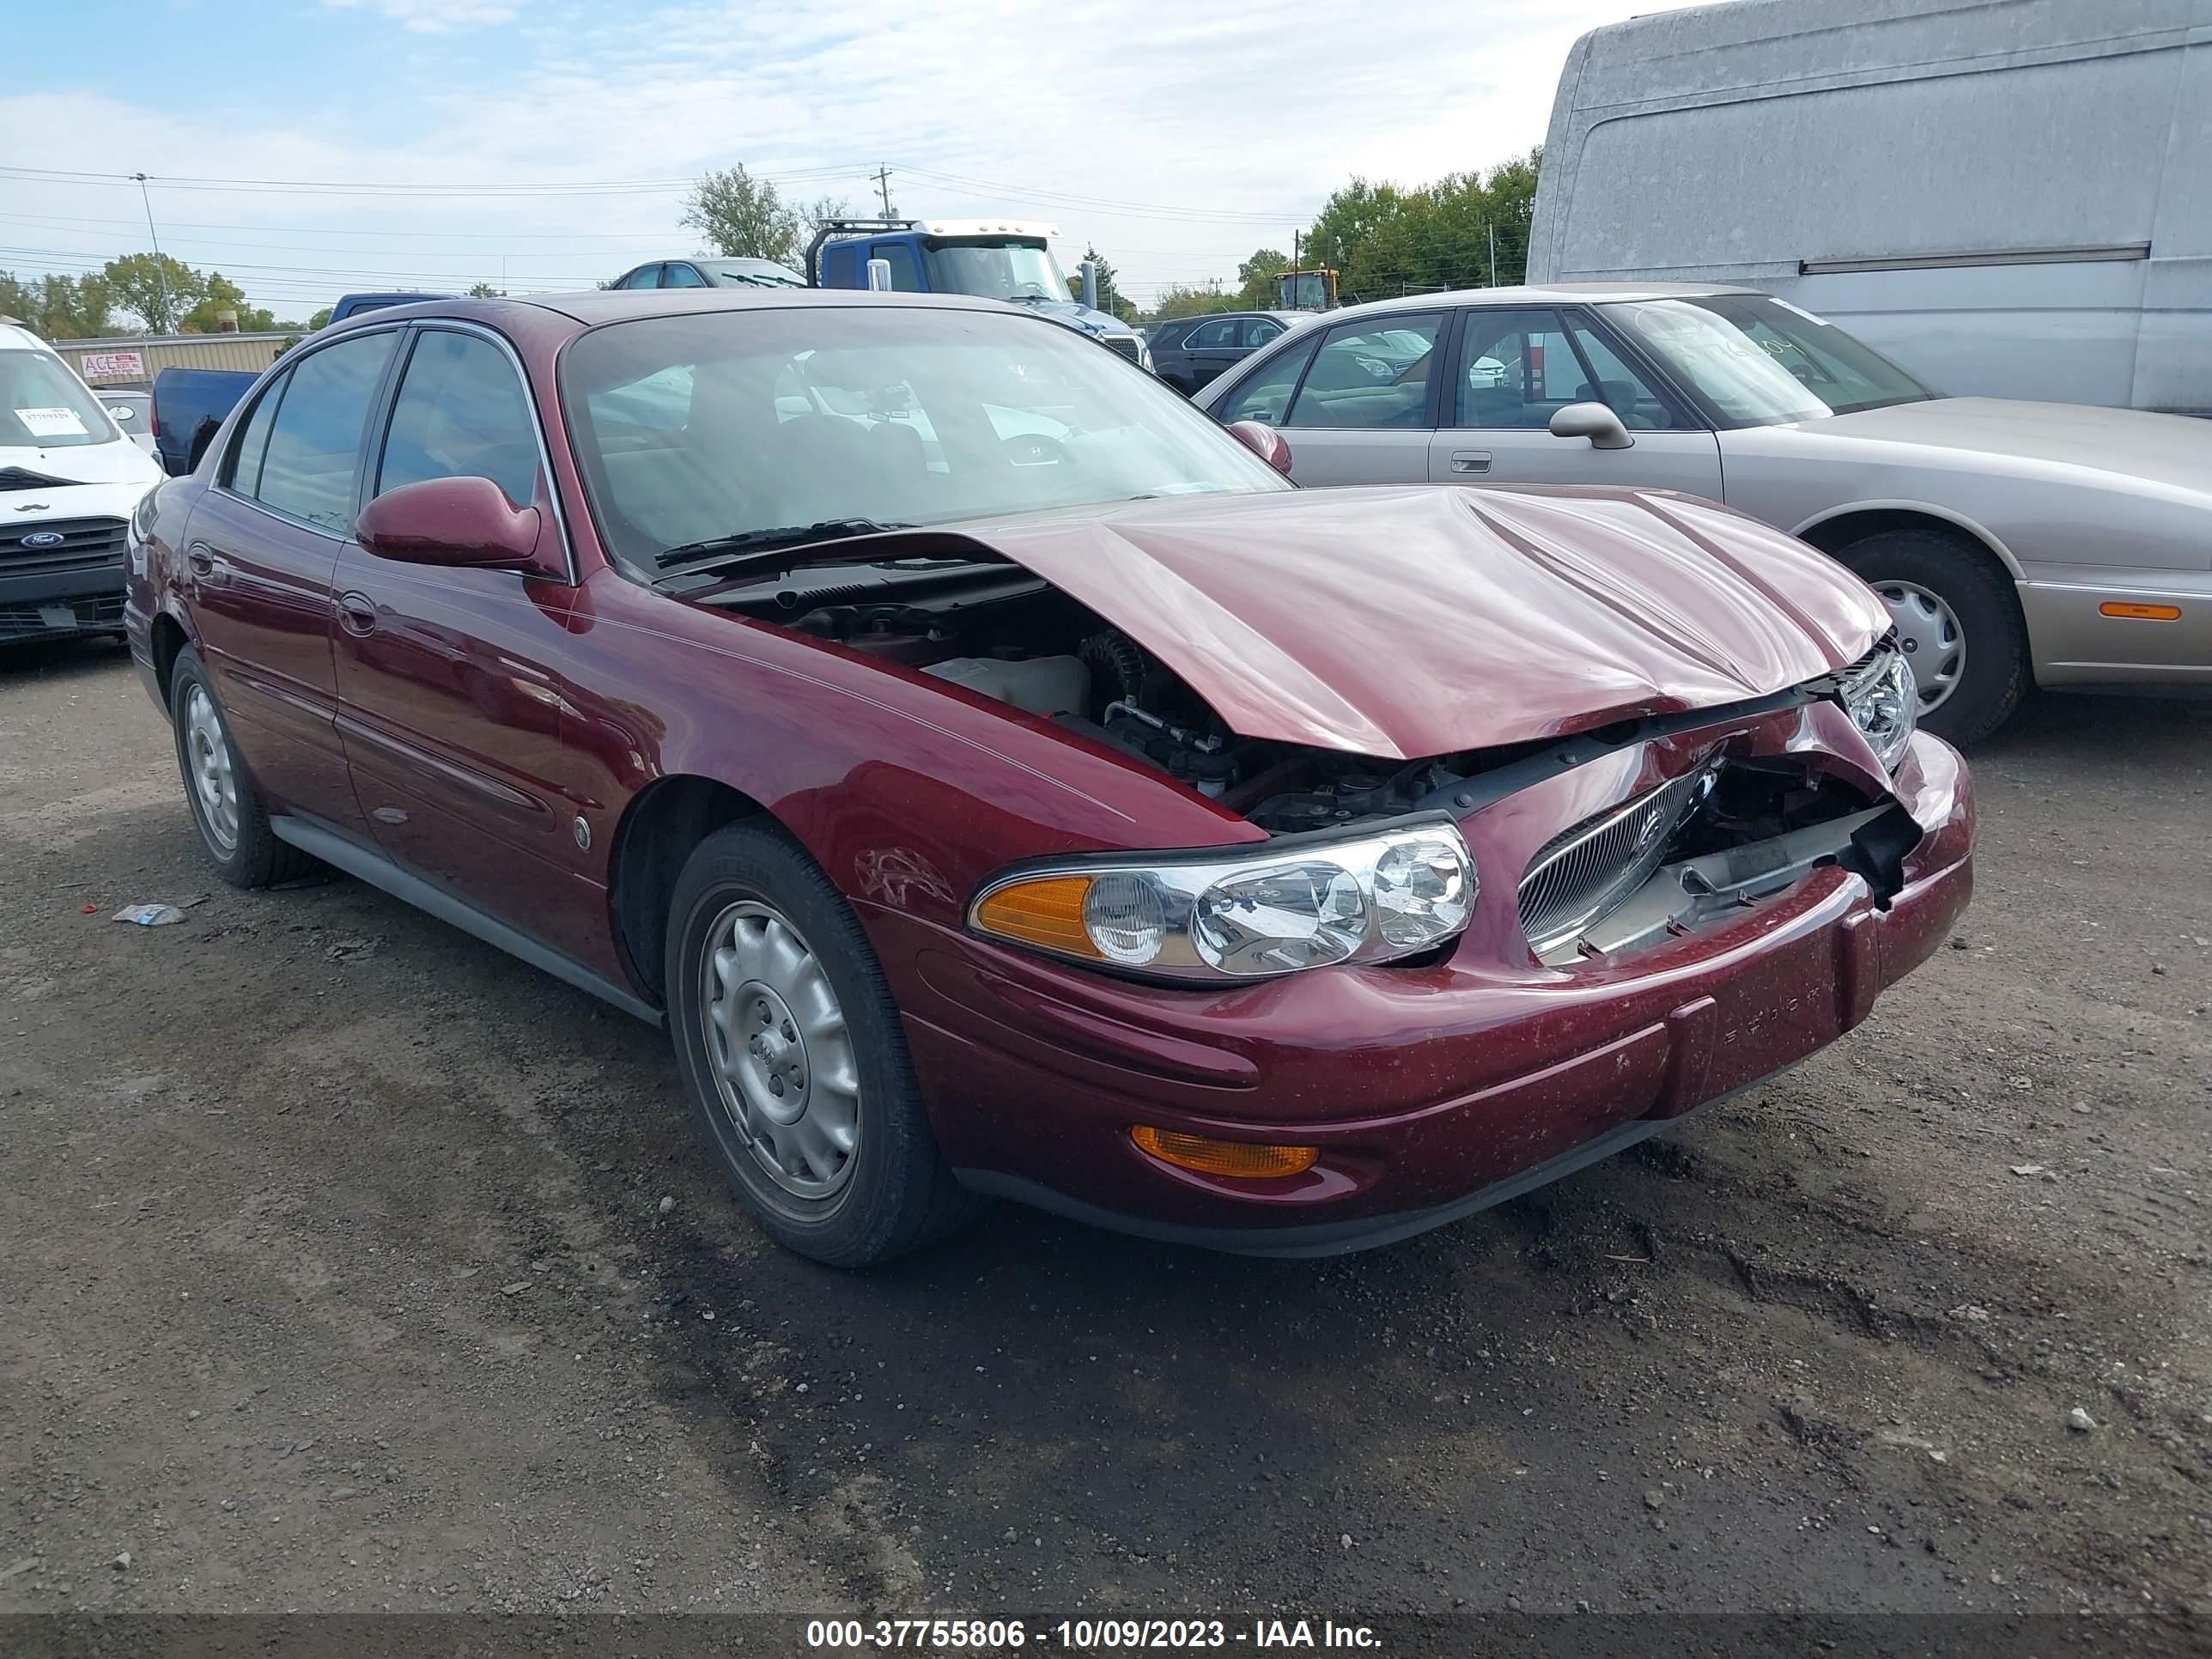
764,541
22,478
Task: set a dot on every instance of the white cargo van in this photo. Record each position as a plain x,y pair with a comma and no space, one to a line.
2012,198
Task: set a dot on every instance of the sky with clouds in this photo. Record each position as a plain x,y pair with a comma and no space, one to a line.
308,148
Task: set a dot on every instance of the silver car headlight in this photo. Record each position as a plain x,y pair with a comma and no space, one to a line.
1884,700
1243,913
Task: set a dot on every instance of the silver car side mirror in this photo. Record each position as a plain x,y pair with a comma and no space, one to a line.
1592,421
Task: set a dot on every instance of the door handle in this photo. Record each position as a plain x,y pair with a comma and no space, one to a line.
1470,460
356,614
208,565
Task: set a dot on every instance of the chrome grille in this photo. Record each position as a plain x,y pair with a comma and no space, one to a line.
1575,878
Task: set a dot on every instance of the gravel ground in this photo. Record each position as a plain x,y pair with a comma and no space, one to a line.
351,1265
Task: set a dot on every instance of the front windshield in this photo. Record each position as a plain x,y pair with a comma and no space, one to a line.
44,406
694,427
1760,362
996,270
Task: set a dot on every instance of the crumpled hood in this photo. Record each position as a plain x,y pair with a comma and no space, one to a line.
1410,622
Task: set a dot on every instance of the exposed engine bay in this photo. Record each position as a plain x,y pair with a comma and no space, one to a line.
1008,634
1743,826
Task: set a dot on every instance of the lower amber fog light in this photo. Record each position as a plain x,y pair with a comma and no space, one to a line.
1223,1157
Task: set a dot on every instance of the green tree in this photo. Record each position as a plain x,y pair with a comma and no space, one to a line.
218,295
484,291
318,319
1256,277
156,287
57,307
743,217
1181,301
1110,298
1464,230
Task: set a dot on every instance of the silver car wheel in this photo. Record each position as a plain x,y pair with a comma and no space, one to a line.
782,1055
1929,634
217,789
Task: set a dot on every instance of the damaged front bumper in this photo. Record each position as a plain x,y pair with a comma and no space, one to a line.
1430,1093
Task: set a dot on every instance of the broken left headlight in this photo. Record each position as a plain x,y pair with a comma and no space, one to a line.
1242,911
1883,699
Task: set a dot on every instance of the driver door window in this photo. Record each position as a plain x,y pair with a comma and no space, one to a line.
1516,366
460,413
675,275
1361,413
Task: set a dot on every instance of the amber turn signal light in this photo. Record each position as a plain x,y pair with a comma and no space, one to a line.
2140,612
1048,913
1254,1160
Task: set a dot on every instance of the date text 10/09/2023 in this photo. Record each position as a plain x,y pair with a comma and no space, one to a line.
1085,1635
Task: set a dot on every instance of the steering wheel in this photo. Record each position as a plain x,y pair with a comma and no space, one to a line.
1034,449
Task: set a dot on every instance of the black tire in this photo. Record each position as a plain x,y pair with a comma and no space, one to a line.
253,857
1996,672
897,1194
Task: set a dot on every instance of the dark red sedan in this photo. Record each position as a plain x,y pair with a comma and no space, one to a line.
999,779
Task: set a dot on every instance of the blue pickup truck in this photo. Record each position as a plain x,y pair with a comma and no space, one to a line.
993,260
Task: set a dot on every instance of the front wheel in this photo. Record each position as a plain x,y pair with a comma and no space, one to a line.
792,1054
1958,623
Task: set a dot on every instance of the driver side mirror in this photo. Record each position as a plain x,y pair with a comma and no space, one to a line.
1264,441
466,522
1595,421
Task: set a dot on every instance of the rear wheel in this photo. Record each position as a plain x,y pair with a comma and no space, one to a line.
225,807
793,1057
1958,623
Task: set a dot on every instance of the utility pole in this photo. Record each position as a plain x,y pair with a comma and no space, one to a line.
1493,230
161,277
882,177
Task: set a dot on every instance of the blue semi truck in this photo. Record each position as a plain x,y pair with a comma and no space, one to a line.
993,260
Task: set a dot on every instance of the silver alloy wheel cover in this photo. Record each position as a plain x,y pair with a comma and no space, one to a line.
214,788
1929,634
780,1051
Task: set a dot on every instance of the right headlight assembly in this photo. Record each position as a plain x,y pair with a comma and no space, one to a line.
1883,699
1243,913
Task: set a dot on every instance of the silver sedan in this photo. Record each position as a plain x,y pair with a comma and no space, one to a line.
2015,544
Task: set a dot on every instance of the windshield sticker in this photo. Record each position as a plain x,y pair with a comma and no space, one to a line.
51,422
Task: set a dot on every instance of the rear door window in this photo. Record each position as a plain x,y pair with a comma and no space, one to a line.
1369,376
244,474
1266,395
314,442
1220,332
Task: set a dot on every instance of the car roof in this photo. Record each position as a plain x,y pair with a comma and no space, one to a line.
593,306
1220,316
1549,294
